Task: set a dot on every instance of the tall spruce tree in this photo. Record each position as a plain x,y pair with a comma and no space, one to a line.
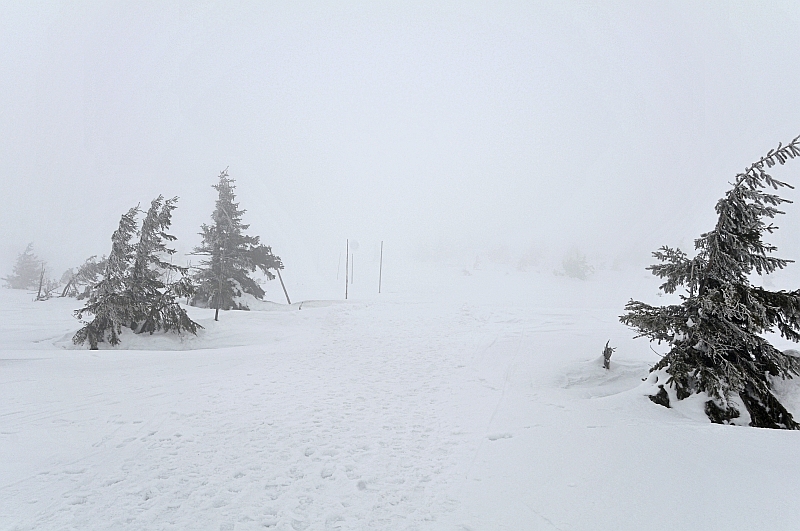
154,300
133,292
27,271
716,333
232,255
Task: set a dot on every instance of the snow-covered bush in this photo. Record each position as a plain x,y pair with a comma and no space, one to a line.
574,265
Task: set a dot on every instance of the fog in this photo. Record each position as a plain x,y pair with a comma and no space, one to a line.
442,130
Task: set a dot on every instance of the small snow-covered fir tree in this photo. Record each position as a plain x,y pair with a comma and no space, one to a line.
27,271
716,333
133,292
232,255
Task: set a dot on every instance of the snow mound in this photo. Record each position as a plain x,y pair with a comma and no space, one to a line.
593,381
257,305
692,407
788,391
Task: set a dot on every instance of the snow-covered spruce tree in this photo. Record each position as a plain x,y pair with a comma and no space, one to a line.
155,305
132,292
716,333
109,300
27,271
232,255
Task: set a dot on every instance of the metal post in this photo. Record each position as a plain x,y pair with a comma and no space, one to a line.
380,269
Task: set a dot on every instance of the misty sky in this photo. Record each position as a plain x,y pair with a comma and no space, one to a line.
611,129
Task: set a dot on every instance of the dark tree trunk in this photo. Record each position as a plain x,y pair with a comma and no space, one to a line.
283,286
766,411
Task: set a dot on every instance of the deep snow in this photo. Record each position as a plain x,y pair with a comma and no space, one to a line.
453,402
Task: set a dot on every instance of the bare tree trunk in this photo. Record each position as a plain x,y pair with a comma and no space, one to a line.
219,281
607,352
66,288
41,280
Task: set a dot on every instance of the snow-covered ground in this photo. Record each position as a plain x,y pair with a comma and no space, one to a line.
453,402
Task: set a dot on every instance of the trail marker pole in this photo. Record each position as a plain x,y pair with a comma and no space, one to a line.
380,269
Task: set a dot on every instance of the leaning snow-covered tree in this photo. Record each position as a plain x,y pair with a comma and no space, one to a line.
79,283
232,255
27,271
716,334
109,300
133,293
155,301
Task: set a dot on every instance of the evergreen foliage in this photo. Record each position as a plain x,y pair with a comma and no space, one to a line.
78,283
109,300
232,255
132,292
575,265
27,271
716,333
154,301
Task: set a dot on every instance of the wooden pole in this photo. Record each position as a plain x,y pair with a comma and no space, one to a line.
380,269
346,267
41,279
283,286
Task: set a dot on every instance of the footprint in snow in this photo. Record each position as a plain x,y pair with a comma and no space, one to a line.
497,436
299,525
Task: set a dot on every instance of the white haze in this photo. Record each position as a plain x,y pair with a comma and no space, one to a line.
438,129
